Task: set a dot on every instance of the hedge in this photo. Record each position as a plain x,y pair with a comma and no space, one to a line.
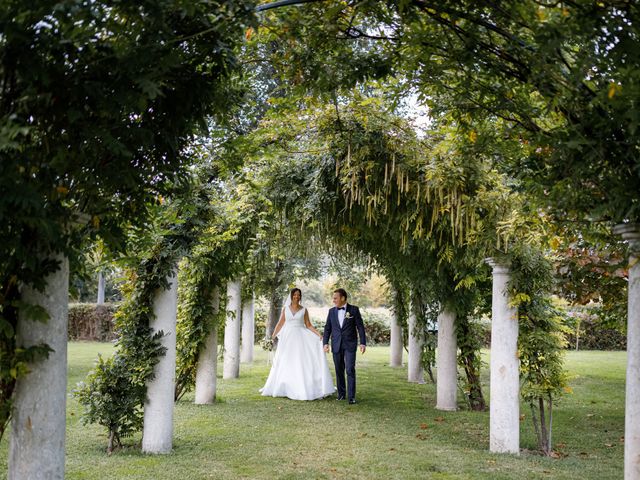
88,321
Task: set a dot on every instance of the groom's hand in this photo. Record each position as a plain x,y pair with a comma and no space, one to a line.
326,347
363,348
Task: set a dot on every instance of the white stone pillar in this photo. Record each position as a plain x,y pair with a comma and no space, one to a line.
101,288
206,381
248,330
631,233
36,444
415,370
447,362
157,435
395,357
504,407
231,367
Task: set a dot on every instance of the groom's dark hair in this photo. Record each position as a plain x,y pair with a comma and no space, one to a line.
342,292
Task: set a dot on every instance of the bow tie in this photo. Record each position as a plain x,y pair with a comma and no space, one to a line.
341,308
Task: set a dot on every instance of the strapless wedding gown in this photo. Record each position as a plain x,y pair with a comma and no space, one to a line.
300,370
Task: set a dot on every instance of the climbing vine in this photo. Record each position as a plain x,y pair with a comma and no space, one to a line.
541,340
114,392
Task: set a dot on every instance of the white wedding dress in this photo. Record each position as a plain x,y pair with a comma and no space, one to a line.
300,370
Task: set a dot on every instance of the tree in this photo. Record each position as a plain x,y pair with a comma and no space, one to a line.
97,103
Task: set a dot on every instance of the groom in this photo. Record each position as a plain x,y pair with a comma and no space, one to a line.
342,323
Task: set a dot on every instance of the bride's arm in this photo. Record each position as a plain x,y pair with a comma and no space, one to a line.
279,325
307,322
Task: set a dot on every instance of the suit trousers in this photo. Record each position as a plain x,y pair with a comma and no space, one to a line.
345,360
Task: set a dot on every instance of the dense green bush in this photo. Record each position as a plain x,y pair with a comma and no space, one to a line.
89,321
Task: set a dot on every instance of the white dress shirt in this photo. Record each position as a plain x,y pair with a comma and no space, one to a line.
341,314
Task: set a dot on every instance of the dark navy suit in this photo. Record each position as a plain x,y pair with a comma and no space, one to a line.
344,343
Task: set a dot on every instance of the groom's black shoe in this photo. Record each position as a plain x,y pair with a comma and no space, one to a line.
340,397
352,401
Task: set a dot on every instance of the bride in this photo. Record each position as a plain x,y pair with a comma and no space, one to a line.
300,370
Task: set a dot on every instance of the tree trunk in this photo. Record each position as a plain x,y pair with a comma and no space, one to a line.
157,435
248,330
471,365
536,425
206,381
231,367
543,428
36,445
550,409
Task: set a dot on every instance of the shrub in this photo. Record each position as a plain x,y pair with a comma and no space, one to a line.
88,321
377,328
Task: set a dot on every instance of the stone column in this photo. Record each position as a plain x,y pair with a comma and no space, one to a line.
101,288
631,233
36,444
415,370
447,362
231,367
504,408
248,333
206,380
157,435
395,359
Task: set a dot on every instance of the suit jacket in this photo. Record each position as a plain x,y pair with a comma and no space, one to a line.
346,337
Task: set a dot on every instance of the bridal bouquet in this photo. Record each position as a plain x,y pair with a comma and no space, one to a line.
267,344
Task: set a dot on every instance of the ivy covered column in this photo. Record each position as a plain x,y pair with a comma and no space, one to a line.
208,361
248,327
36,446
631,233
504,407
447,362
416,340
231,366
395,359
157,436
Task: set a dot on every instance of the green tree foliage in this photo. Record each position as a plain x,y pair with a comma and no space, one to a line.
427,211
114,393
542,340
559,75
97,102
426,216
231,220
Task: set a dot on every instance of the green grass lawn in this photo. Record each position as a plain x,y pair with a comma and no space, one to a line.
393,432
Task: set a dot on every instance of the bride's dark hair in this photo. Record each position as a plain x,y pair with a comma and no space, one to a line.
294,290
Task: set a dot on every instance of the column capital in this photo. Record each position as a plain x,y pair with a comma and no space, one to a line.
499,265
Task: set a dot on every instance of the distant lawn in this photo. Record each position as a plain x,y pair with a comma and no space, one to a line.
393,432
